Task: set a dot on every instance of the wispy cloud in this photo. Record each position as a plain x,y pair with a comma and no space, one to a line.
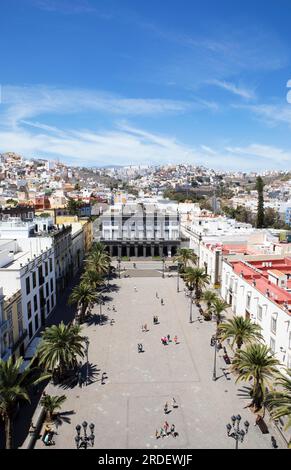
265,152
211,105
68,7
20,103
208,150
271,114
128,144
124,145
241,91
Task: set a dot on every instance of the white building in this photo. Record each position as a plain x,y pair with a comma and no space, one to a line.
245,245
261,290
140,230
28,266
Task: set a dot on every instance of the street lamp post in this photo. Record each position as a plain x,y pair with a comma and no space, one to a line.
84,441
191,305
235,431
164,266
214,342
119,262
87,342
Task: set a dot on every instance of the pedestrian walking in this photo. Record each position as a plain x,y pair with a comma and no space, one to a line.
162,433
157,434
146,328
176,339
166,427
157,295
168,336
162,301
166,408
174,403
135,289
173,430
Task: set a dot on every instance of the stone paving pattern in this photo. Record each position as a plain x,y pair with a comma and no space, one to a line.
128,408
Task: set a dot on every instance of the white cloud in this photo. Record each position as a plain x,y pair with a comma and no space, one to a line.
127,144
122,146
272,114
65,6
211,105
232,88
266,152
20,103
207,149
122,143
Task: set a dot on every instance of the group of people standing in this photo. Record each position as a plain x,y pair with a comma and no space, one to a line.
166,430
167,339
162,300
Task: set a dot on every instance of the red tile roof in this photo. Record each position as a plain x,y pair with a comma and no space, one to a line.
253,271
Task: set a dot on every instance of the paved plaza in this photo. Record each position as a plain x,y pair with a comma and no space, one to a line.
129,406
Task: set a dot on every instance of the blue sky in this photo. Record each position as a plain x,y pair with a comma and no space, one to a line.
101,82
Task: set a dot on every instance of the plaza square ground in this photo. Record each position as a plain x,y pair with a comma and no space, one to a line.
128,407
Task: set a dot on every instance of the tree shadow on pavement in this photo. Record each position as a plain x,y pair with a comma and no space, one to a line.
97,319
73,380
63,417
245,393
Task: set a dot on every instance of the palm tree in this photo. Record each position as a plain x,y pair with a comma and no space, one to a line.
83,295
98,247
60,346
92,278
196,279
241,330
99,261
279,402
209,297
183,257
256,363
14,386
219,306
51,404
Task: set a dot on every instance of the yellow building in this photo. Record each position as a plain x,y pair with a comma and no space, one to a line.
66,219
88,233
11,327
87,228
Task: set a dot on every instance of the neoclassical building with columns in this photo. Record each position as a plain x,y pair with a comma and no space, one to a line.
140,230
